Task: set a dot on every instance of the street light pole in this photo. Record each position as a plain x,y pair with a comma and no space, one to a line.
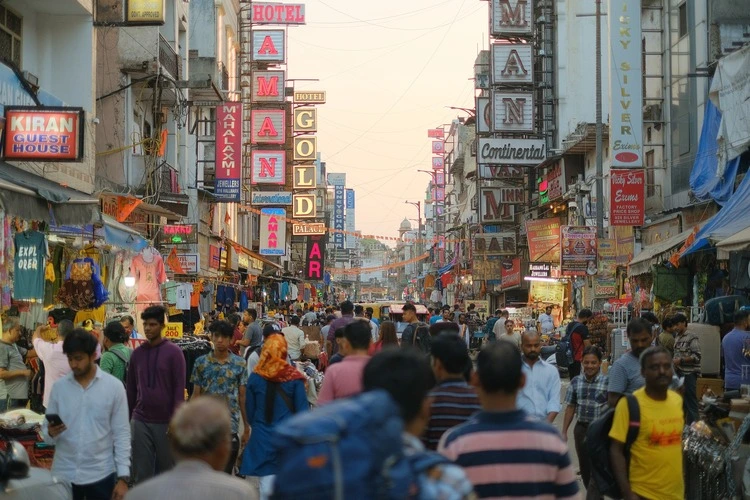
418,245
599,158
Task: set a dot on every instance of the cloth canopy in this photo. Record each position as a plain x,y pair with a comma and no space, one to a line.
737,242
655,254
111,231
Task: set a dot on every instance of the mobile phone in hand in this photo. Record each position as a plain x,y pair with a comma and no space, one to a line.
54,419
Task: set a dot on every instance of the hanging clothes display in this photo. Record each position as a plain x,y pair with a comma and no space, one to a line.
182,296
207,298
148,269
28,276
83,287
53,274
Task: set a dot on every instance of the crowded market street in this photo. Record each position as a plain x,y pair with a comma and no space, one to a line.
324,249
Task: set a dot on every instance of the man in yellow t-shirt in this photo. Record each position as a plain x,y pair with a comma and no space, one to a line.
655,471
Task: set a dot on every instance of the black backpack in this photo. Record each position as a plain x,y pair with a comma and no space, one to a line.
598,442
564,348
420,336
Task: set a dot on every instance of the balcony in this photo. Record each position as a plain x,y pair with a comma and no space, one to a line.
209,79
169,59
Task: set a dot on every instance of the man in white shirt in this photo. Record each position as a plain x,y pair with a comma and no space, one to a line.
92,436
55,361
295,338
540,395
544,323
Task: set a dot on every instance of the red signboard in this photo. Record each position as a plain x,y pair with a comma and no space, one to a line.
43,134
315,261
438,162
214,256
627,197
436,133
511,275
277,13
228,151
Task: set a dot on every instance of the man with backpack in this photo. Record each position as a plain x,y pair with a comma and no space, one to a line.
577,335
654,469
416,334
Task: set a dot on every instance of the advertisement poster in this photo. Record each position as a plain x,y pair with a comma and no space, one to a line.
228,152
578,250
605,283
543,236
627,197
548,293
625,240
511,274
272,231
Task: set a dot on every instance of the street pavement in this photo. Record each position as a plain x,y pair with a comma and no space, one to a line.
559,423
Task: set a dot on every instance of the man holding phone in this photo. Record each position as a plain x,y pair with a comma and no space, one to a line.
87,416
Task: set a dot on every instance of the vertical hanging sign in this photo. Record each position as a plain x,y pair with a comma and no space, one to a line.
315,258
350,224
338,215
228,152
272,231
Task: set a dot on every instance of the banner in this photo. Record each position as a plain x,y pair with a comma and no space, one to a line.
511,275
272,231
548,293
605,283
625,240
543,236
578,250
338,215
627,195
228,152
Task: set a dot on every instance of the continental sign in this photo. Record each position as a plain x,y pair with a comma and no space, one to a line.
309,229
310,97
268,198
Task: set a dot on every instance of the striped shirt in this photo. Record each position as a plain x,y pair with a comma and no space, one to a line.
453,403
511,455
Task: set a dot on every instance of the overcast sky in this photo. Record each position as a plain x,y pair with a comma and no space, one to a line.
390,69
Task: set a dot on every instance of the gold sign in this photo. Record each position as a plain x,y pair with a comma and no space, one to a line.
310,97
303,206
308,229
305,148
305,120
304,177
145,11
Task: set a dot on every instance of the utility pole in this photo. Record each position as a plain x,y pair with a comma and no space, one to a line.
418,244
599,158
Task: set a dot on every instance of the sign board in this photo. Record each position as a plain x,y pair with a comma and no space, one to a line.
511,275
337,179
303,206
578,250
484,115
190,262
315,257
145,12
268,198
268,86
487,269
269,46
268,126
305,120
436,133
349,200
309,97
305,148
496,204
214,256
512,64
497,172
44,134
277,13
272,231
543,237
551,186
228,151
308,229
350,222
605,283
178,234
511,17
338,215
511,151
547,293
172,331
268,167
540,270
502,243
438,162
627,197
305,176
625,84
438,147
513,111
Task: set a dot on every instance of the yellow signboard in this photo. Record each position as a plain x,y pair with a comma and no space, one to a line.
310,96
173,331
145,11
548,293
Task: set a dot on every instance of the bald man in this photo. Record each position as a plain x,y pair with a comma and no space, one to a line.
201,439
540,395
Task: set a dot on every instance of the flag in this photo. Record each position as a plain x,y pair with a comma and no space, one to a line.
125,207
227,218
174,262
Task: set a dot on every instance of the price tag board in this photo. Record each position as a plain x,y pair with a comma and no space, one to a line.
173,331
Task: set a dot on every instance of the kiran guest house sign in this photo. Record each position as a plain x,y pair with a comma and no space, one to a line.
48,134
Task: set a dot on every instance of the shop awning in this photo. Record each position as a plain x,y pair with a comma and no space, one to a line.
108,229
263,259
656,254
33,197
740,241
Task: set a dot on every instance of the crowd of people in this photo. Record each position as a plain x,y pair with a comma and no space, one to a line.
122,428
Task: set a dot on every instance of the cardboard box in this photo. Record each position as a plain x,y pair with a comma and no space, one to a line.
715,384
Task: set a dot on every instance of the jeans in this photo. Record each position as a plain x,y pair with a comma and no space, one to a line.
584,461
100,490
151,450
233,455
12,404
690,398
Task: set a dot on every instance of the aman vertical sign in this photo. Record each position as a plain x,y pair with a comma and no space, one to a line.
228,151
625,80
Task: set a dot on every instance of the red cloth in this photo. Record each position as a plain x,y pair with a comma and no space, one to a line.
235,347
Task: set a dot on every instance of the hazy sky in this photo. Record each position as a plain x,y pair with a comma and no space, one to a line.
390,69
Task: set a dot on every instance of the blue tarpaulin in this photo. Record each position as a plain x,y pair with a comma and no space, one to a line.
705,181
110,230
731,219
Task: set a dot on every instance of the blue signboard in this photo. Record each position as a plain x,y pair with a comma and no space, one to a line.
338,215
350,199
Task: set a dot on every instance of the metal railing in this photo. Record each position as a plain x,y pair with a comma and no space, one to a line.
168,58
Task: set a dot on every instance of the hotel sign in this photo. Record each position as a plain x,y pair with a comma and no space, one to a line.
305,148
512,64
303,206
268,86
308,229
277,13
511,151
511,17
268,126
305,120
268,167
267,198
268,46
43,134
309,97
513,112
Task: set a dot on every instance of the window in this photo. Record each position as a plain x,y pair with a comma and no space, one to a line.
650,177
10,36
683,19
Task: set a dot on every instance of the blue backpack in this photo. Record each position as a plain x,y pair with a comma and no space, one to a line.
564,349
351,448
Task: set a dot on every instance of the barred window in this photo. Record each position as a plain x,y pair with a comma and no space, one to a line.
10,36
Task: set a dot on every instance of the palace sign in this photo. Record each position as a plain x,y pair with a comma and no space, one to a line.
303,206
511,151
307,229
277,13
43,134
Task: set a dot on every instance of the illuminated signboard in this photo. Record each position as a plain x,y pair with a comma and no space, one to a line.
303,206
178,234
305,120
268,126
310,97
270,198
268,167
43,134
268,46
315,257
228,151
272,231
305,148
268,86
436,133
145,12
277,13
308,228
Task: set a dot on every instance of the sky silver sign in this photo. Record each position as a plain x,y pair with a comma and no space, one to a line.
511,151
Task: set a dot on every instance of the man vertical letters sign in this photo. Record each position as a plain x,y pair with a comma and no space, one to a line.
228,151
315,258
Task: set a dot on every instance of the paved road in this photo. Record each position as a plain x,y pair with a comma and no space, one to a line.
559,423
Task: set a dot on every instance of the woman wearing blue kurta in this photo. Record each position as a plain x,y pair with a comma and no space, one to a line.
275,391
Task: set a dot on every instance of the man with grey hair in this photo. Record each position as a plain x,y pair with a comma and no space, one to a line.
200,437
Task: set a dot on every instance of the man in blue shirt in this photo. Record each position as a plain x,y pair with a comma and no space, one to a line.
540,396
735,347
437,316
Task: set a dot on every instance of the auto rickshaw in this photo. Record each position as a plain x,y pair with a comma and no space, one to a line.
395,313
